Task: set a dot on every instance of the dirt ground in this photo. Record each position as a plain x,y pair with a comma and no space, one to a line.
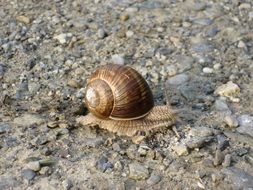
201,50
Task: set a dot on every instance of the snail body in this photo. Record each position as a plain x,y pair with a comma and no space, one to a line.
120,100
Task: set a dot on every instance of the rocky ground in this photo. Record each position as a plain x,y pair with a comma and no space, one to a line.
204,52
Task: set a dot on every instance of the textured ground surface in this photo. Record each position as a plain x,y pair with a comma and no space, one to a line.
203,50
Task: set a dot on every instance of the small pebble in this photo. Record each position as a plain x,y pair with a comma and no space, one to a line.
197,142
241,44
23,19
217,66
124,17
245,125
103,164
238,178
223,143
181,149
118,59
67,184
219,156
201,132
207,70
73,83
207,163
229,89
231,121
28,174
138,171
4,128
45,171
221,105
129,34
101,33
63,38
142,151
227,160
178,79
35,166
153,179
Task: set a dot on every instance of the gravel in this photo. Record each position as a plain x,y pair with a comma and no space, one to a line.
138,171
199,52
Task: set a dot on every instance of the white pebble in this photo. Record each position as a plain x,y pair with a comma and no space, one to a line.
217,66
207,70
118,59
129,33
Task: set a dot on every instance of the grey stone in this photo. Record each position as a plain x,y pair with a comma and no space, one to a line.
238,178
138,171
93,142
35,166
207,70
236,137
189,92
223,143
79,22
221,105
212,32
231,121
45,171
118,59
101,33
202,47
153,179
28,174
227,160
164,51
241,151
63,38
203,21
103,164
184,63
181,149
245,125
8,182
4,128
2,69
201,132
67,184
28,120
199,6
197,142
218,158
178,79
207,163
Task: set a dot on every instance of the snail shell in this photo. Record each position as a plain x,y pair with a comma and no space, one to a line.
118,92
121,101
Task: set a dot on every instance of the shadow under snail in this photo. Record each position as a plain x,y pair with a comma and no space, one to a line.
120,100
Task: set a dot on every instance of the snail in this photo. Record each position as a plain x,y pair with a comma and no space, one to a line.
120,100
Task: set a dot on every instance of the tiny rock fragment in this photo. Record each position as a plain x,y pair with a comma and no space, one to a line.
218,159
73,83
24,19
138,171
228,90
181,150
227,160
35,166
231,121
124,17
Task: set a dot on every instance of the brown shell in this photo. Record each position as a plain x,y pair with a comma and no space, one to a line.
118,92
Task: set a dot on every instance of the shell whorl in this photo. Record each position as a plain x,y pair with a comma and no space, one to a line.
122,95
